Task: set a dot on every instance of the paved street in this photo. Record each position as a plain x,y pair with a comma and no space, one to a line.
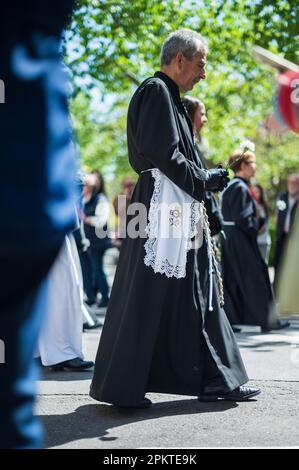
73,420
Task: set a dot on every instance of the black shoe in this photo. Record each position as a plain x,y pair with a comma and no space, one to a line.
103,303
236,329
90,302
279,326
75,364
242,393
146,403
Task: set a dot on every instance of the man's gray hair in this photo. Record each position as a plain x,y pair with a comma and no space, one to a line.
182,40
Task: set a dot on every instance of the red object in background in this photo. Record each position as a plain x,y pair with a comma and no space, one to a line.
288,99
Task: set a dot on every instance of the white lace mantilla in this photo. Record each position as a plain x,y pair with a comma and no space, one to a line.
173,220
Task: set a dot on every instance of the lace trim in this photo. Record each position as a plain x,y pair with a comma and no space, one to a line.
150,259
152,227
161,266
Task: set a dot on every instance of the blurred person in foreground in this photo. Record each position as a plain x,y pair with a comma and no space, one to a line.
37,200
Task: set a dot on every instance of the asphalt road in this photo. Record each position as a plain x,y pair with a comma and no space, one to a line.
73,420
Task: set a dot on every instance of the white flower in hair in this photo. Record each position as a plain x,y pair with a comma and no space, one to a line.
281,205
247,145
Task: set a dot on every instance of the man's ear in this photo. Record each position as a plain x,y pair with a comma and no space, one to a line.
179,59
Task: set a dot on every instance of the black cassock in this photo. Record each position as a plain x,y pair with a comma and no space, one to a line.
157,335
248,292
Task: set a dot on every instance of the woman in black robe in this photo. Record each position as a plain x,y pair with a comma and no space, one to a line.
157,336
247,288
196,111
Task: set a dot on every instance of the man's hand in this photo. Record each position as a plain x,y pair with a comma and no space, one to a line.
217,179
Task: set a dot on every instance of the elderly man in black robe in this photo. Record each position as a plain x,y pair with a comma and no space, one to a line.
37,196
158,335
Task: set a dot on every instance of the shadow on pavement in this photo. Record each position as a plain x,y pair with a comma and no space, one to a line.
262,344
250,338
64,376
93,421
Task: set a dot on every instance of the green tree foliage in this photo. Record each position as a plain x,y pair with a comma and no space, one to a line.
102,139
114,45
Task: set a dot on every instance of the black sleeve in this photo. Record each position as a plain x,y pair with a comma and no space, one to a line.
242,211
20,18
157,140
214,214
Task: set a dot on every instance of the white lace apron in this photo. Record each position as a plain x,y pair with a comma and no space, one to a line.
174,220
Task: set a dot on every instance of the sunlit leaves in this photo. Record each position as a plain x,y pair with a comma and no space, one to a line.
113,45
